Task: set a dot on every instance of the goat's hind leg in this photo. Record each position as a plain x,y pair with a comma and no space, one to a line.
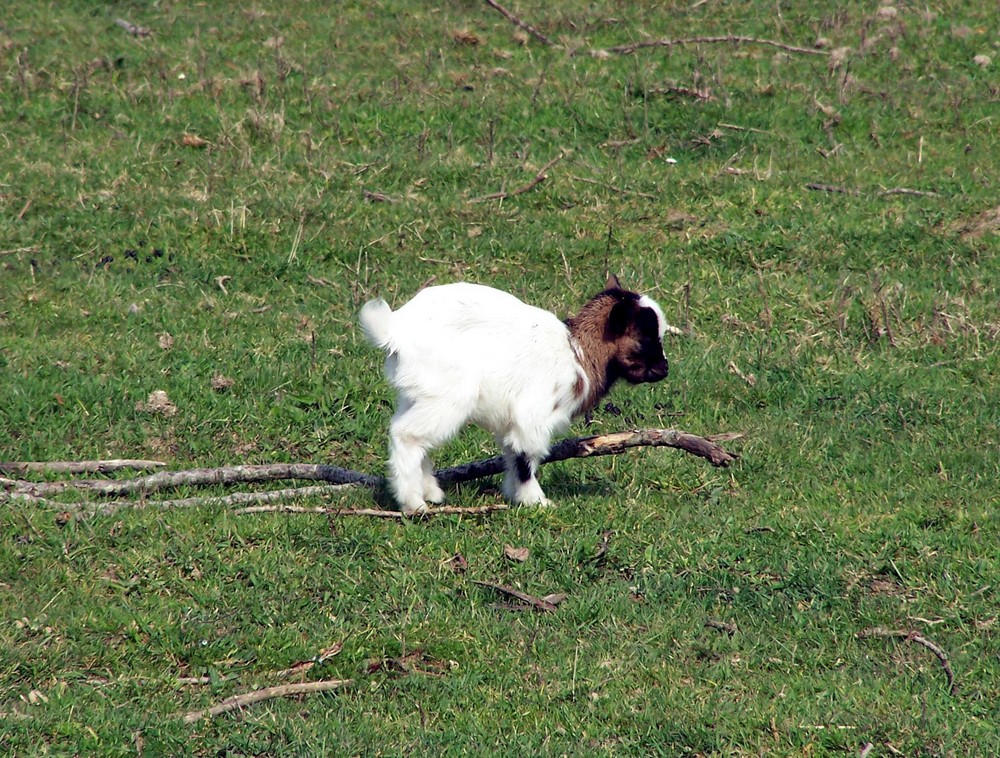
415,430
520,481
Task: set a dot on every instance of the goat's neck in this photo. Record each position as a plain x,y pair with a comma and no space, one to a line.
594,352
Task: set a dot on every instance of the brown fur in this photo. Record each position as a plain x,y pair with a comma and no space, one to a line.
616,340
589,329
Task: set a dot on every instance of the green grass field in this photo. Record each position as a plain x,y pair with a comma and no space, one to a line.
216,200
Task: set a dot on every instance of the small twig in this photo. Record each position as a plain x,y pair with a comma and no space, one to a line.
443,510
524,597
881,193
268,693
908,191
602,547
538,179
78,467
914,636
518,22
736,39
831,188
620,190
303,666
737,128
133,29
697,94
237,498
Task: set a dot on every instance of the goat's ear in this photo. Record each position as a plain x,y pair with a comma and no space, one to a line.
612,283
620,317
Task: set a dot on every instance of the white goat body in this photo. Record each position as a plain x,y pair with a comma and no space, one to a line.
461,353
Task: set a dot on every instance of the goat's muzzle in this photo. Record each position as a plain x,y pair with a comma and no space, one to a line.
657,371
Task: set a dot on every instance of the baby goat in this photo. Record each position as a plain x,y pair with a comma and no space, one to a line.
462,353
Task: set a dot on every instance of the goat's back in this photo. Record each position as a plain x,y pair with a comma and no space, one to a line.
462,335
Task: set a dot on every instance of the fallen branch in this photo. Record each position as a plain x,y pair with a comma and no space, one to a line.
524,597
78,467
913,636
605,444
540,177
630,48
337,478
268,693
202,477
237,498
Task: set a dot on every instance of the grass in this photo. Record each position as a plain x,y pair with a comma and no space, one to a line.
865,326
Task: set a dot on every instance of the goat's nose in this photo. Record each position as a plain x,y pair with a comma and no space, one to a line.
659,371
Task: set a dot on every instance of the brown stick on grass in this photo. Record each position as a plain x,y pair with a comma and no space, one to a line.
540,177
337,477
913,636
78,467
268,693
632,47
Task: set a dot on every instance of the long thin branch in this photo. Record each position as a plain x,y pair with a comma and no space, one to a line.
734,39
78,467
268,693
201,477
540,177
737,39
913,636
237,498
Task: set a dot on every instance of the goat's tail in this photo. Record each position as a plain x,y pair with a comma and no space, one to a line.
376,320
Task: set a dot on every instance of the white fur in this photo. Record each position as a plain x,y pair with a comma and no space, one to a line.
462,353
648,302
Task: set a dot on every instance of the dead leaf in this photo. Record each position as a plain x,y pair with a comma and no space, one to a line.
193,140
166,341
157,403
519,554
466,37
555,598
300,667
458,564
221,383
377,197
